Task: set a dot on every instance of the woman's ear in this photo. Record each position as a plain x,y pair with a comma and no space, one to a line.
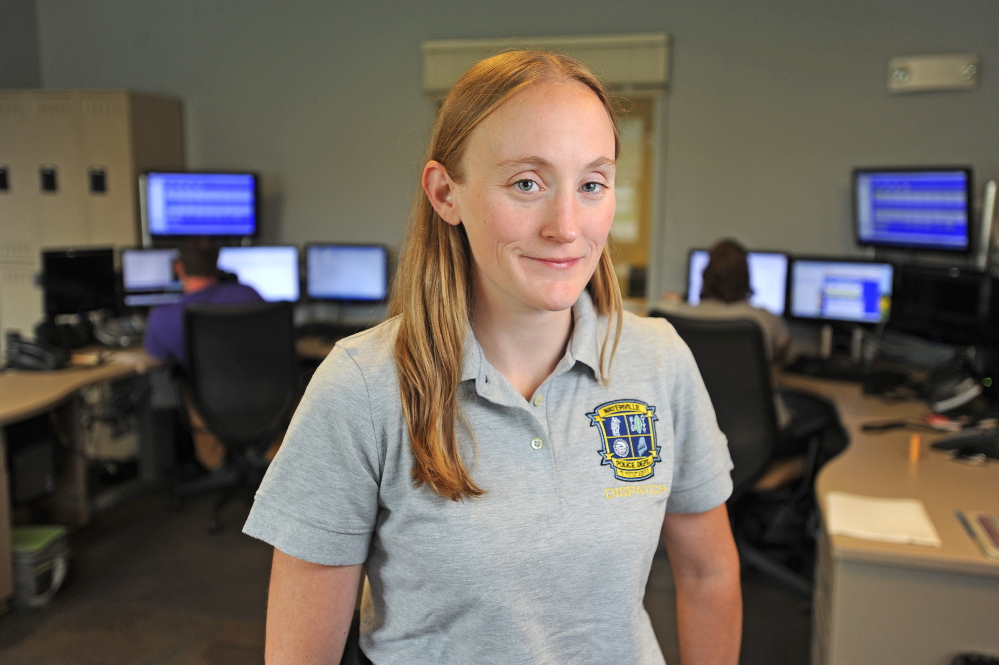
440,190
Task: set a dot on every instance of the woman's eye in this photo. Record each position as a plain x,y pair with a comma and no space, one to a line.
526,186
592,187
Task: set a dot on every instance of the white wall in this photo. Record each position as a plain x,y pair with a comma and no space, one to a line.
772,103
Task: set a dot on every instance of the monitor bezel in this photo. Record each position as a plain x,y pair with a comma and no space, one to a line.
789,309
298,264
969,208
307,295
787,256
147,234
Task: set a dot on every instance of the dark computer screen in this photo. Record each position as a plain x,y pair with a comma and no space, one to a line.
199,204
148,277
840,290
767,278
944,304
75,281
913,208
272,271
348,273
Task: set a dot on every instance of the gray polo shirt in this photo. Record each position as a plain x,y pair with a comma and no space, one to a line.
550,565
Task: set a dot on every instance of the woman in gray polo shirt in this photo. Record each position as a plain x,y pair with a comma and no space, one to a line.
503,454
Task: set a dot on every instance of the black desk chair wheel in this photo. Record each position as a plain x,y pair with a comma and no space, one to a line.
242,378
732,360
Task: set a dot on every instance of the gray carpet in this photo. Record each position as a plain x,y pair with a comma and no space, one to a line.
152,588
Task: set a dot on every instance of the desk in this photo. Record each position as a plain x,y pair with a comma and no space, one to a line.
27,394
887,603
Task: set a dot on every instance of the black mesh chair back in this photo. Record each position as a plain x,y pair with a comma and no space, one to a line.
242,369
731,357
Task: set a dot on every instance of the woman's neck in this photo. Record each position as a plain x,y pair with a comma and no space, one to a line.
524,347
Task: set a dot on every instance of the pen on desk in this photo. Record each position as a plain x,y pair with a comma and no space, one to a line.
964,522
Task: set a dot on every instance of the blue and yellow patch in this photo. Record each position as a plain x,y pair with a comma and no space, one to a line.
628,434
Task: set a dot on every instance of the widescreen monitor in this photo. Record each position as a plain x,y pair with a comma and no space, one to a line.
767,278
945,305
928,208
346,273
840,290
148,277
75,281
199,204
272,271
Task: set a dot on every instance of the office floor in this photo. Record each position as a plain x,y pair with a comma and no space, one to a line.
153,588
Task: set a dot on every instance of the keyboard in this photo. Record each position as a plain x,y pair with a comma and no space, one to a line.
841,369
972,441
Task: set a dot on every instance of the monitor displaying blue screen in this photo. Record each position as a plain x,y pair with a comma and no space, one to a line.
918,209
148,277
767,278
272,271
199,204
347,272
840,290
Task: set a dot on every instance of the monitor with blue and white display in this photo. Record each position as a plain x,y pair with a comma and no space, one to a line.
199,204
148,277
346,273
914,208
767,278
840,290
272,271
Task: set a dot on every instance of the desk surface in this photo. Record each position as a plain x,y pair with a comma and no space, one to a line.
24,394
877,464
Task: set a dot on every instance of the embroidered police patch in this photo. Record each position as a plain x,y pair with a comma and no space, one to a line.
629,438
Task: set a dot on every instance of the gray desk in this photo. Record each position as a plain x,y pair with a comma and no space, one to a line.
885,603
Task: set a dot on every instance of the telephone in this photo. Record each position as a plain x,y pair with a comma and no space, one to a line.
33,356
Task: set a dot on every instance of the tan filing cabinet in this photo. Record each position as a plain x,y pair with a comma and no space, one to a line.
82,137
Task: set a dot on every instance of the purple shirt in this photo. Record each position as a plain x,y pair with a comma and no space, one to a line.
164,336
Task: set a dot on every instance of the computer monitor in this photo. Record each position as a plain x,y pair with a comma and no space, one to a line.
148,277
945,304
916,208
198,204
75,281
272,271
767,278
346,273
840,290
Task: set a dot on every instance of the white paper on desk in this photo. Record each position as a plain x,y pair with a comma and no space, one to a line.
872,518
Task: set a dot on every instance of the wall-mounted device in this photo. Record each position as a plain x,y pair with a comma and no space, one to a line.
926,208
923,73
177,204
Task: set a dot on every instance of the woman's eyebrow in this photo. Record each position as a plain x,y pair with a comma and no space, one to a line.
541,162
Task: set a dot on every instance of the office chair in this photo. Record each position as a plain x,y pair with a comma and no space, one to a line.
242,378
732,360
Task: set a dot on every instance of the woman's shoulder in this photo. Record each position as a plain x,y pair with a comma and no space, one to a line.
369,353
648,334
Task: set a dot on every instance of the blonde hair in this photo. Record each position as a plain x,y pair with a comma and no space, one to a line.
433,285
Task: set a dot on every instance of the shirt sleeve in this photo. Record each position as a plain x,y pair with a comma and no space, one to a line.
702,465
319,499
152,340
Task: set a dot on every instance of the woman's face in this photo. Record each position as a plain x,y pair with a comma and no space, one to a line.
537,197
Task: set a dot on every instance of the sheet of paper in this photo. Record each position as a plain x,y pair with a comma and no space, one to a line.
872,518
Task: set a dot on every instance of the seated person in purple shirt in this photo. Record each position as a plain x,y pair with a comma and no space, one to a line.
199,276
164,336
